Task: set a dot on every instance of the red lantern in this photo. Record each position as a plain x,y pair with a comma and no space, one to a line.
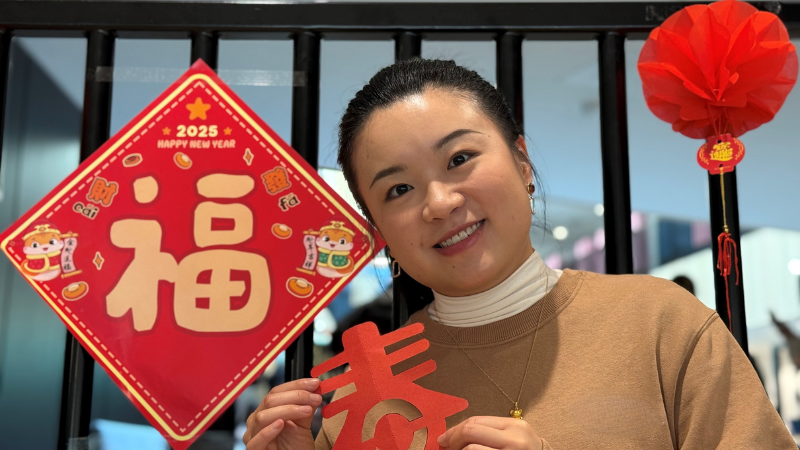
716,69
715,72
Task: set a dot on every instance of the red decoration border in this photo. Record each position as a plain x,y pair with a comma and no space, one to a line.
256,365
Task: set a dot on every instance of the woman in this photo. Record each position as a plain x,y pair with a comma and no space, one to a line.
437,164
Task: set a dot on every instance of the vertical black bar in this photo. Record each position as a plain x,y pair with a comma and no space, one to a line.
509,72
736,292
204,46
407,45
305,139
76,391
614,140
5,47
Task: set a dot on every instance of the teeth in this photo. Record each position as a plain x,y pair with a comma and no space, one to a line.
460,236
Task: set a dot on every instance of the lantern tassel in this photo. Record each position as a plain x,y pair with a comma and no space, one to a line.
726,247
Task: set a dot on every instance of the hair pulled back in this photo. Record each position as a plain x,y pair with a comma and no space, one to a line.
412,77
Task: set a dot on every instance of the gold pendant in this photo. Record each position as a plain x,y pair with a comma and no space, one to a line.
516,413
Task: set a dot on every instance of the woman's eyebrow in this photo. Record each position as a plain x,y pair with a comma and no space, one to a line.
391,170
454,135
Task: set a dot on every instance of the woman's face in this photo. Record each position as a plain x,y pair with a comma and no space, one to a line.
445,192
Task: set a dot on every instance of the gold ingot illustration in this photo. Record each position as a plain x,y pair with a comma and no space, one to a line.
182,160
299,287
281,231
76,290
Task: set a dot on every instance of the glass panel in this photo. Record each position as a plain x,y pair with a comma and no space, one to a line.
41,146
143,69
260,72
476,55
562,131
346,66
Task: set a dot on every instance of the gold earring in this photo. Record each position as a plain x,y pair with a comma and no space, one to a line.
395,269
531,189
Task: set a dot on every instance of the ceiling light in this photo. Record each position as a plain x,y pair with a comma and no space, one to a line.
599,210
560,233
794,266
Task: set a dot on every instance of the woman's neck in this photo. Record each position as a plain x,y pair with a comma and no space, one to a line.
527,285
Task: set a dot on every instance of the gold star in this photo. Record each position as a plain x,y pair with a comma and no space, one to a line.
198,109
227,131
98,260
166,131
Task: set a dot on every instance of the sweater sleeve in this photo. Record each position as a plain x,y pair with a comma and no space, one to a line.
719,400
322,442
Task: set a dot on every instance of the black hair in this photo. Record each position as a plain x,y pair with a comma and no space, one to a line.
412,77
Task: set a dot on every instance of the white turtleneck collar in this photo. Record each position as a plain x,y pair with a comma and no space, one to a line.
527,285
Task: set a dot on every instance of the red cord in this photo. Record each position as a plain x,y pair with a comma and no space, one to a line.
727,246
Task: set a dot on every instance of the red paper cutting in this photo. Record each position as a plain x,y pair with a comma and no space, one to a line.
716,69
175,254
419,414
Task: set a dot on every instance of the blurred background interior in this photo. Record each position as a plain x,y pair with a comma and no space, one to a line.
562,125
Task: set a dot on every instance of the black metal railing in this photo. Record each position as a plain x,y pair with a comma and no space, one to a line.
408,24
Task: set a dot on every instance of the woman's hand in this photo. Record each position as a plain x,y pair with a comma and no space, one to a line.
491,433
282,420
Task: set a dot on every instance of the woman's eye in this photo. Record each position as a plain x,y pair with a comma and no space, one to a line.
398,190
459,159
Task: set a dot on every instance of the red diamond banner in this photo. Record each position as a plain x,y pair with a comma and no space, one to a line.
189,251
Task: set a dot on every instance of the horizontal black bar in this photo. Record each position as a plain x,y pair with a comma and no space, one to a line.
321,17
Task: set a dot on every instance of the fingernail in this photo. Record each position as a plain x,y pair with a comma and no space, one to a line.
316,398
305,409
312,381
277,425
440,439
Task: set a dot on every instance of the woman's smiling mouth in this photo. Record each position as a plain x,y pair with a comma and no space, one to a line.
461,240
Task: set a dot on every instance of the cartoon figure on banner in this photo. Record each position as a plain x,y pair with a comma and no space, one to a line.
48,252
328,250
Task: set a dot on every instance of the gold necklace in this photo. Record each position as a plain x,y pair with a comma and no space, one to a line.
516,413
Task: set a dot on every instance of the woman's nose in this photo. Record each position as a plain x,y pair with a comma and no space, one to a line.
442,199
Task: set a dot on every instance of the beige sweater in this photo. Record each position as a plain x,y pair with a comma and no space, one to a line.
620,362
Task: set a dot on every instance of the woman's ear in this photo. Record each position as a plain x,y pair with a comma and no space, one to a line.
524,160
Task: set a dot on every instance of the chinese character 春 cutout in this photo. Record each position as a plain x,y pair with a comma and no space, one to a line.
386,411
